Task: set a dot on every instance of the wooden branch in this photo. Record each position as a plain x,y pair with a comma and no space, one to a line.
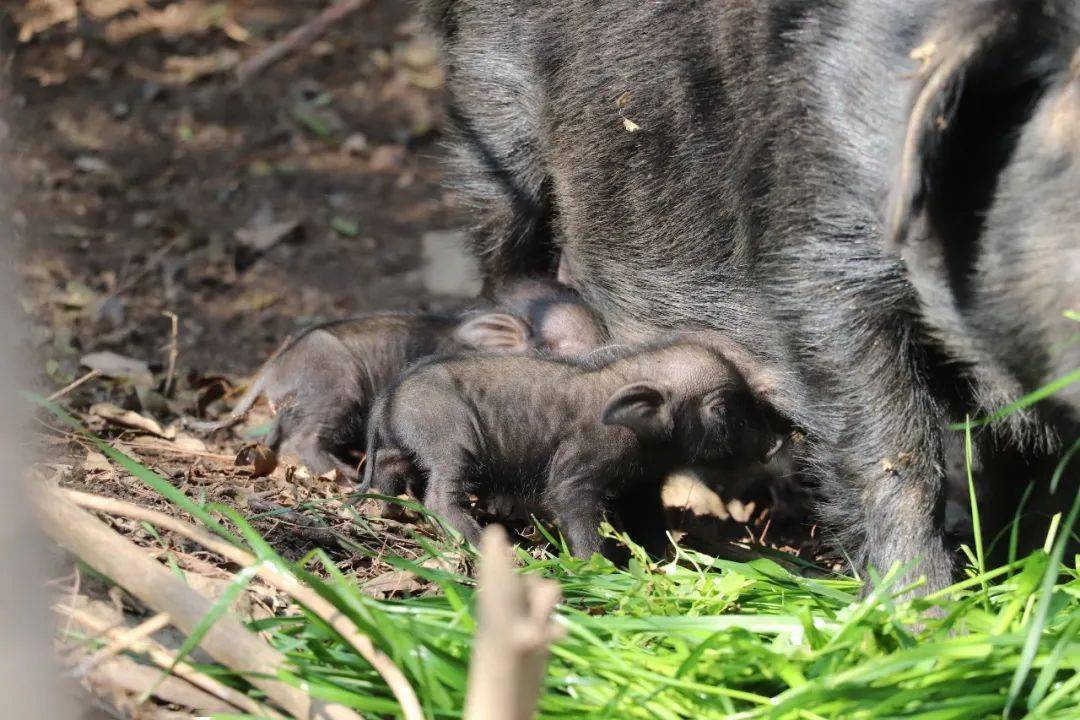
165,660
133,680
228,641
297,39
511,648
120,642
68,388
399,684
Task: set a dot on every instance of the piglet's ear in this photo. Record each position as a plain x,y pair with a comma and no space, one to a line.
496,332
643,407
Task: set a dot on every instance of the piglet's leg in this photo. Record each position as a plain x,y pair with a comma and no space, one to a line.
394,473
445,497
642,512
577,508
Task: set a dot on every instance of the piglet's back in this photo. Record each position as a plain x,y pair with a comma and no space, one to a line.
508,399
384,344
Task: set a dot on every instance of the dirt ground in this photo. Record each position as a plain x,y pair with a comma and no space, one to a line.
145,177
147,183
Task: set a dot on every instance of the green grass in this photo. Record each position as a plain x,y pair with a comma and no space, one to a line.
700,637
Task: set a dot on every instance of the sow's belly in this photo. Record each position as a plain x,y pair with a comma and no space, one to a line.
642,298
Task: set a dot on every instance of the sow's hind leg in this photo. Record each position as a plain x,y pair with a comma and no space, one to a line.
496,161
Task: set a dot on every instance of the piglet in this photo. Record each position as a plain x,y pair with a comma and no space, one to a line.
320,383
578,440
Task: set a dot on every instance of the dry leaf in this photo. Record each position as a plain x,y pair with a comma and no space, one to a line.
260,238
189,443
105,9
76,294
185,69
119,367
36,16
623,100
262,459
397,582
630,125
131,419
174,21
96,462
92,165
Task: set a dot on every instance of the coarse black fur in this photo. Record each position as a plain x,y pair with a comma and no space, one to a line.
577,439
321,382
880,199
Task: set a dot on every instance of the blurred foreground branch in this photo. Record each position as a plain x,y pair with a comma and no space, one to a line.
511,649
228,641
395,679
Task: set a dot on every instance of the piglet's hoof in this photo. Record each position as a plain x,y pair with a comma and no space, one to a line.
392,511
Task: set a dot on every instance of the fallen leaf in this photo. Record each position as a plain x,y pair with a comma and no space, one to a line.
186,69
36,16
120,367
344,226
397,582
131,419
45,78
95,462
257,300
386,157
420,53
92,165
189,443
260,458
105,9
78,130
76,295
322,48
320,121
630,125
174,21
355,144
261,238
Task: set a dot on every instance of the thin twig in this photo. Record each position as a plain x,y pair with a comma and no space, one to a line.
149,266
136,681
174,353
68,388
165,660
395,679
122,641
75,587
297,39
227,641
